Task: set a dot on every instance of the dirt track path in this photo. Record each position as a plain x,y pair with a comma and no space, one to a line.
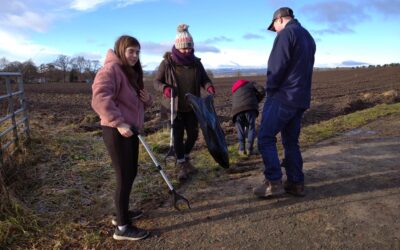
352,202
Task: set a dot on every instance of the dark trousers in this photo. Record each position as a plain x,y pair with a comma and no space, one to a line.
124,156
278,117
185,121
245,124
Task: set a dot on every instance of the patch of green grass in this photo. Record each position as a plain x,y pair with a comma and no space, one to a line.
16,222
72,235
158,143
234,156
74,173
92,239
327,129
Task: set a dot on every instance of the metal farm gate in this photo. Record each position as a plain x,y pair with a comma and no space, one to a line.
14,124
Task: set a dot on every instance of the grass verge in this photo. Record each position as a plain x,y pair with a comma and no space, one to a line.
327,129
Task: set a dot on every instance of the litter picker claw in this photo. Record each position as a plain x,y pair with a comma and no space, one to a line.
178,200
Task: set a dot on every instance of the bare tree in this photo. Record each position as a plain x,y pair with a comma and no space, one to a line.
43,73
13,67
95,65
79,63
92,66
62,62
3,63
29,71
54,74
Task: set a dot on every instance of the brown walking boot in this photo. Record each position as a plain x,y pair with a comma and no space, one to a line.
182,171
190,168
294,189
269,189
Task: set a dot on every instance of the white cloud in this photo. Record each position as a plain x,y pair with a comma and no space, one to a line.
227,57
124,3
28,19
218,39
155,48
89,55
84,5
249,36
18,20
339,16
230,57
17,47
19,15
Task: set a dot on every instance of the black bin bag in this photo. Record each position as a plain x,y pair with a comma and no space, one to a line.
209,124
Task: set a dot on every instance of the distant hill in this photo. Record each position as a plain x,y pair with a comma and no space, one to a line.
235,71
227,72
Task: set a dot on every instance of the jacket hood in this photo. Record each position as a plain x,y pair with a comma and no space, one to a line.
111,57
167,55
238,84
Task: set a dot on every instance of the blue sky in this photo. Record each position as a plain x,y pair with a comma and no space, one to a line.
227,33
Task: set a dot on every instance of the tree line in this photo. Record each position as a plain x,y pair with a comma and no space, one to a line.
62,69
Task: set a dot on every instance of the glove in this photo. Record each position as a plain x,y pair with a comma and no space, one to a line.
211,90
167,92
135,130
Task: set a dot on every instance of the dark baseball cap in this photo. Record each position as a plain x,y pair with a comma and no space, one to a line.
281,12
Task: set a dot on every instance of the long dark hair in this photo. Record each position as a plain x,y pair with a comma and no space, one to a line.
134,73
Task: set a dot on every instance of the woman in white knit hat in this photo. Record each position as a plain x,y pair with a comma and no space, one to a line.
181,72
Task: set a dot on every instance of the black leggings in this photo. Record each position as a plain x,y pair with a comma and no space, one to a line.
185,121
124,156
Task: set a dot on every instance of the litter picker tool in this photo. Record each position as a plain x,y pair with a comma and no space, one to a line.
171,151
178,200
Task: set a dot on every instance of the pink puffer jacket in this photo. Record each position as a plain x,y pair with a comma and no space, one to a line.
114,99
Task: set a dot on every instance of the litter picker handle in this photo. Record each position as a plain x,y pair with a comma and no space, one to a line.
172,116
158,166
172,104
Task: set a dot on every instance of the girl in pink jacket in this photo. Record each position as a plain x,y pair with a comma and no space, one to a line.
120,99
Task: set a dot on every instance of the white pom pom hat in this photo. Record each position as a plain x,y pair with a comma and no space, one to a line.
183,39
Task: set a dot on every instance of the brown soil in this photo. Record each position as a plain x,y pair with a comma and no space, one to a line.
334,92
352,202
353,181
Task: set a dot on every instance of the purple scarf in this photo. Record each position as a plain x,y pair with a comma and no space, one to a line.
182,59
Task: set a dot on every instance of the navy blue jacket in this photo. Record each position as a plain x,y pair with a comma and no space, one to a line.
290,66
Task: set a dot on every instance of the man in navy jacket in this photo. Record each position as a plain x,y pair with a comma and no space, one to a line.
288,88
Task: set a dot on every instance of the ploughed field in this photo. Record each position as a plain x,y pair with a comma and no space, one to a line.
334,92
71,173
